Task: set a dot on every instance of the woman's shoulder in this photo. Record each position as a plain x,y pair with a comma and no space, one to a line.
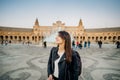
54,49
75,53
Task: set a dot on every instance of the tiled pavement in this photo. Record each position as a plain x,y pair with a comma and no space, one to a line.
22,62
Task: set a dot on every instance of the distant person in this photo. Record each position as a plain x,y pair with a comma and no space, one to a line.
28,43
10,41
73,44
117,44
80,41
80,45
45,44
85,44
6,43
100,44
88,44
77,44
2,42
23,42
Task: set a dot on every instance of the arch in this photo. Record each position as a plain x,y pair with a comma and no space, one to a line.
83,37
109,37
32,37
97,38
11,37
6,37
114,37
89,37
15,37
101,37
42,37
35,37
1,37
19,37
118,37
105,38
23,37
77,37
39,37
27,37
92,38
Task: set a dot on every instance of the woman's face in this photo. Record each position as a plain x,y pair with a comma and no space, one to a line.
59,40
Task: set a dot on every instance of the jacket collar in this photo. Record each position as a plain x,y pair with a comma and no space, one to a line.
63,57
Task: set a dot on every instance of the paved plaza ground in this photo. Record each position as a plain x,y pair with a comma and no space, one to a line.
23,62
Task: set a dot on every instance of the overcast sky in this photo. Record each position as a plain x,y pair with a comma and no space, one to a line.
94,13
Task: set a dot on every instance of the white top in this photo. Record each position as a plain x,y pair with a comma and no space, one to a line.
56,70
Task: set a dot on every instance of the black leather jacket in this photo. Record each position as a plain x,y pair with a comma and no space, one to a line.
66,71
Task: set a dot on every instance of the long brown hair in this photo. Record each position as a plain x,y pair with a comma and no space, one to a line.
68,51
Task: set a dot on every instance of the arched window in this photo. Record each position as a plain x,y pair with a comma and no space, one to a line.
101,37
39,37
118,37
92,38
1,37
27,37
35,37
6,37
77,37
23,37
114,37
15,37
11,37
83,37
32,37
96,38
19,37
105,38
42,37
109,37
88,37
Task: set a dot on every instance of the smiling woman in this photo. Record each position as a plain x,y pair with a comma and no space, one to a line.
63,63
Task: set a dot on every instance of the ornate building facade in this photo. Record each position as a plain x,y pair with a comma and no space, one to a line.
38,33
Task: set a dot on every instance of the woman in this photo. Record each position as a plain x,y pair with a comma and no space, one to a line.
62,63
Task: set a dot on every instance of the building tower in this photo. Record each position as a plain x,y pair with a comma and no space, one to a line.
36,22
80,26
36,26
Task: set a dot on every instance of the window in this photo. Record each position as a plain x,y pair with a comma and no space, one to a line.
109,37
32,37
101,37
27,37
105,38
15,37
92,38
118,37
114,37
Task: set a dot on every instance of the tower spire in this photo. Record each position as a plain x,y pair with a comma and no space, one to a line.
37,22
80,23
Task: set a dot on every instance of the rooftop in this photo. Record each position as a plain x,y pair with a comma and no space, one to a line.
2,28
15,29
